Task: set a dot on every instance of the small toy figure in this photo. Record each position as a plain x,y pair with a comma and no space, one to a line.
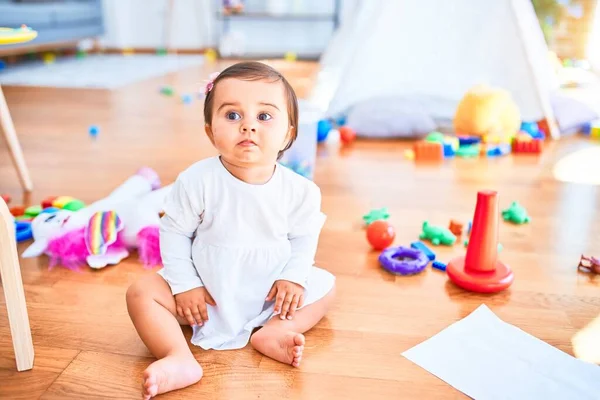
590,264
376,214
437,235
516,213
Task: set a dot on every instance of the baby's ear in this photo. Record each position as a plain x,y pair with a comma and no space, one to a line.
209,133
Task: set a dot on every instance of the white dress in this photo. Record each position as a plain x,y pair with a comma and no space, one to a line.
237,239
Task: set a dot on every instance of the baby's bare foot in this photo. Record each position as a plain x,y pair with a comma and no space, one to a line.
283,346
170,373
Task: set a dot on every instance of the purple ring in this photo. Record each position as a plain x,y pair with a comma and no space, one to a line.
412,261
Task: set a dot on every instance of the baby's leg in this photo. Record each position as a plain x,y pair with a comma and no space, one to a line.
152,310
283,340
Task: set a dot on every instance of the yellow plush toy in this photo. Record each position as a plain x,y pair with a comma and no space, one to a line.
487,112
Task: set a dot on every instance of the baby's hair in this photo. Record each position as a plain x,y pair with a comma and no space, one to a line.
254,71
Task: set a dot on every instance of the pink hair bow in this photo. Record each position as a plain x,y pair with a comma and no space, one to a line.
211,82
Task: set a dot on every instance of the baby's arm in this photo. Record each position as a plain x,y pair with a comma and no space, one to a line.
177,227
183,210
304,239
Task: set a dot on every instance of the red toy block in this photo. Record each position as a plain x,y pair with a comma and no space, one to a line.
456,227
347,134
533,146
47,202
17,211
480,270
428,151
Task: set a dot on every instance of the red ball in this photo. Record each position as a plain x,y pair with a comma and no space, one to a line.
347,134
380,234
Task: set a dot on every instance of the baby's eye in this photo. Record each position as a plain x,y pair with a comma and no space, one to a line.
233,116
264,117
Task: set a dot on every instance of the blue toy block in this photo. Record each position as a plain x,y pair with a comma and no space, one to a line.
499,150
439,265
323,128
421,246
448,150
530,127
468,140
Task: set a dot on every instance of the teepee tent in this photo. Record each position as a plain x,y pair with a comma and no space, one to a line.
433,51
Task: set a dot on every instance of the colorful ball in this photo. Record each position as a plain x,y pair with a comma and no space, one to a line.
380,234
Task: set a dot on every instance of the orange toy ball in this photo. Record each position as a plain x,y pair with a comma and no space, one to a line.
347,134
380,234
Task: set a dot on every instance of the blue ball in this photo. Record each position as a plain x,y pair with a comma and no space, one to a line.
94,130
323,128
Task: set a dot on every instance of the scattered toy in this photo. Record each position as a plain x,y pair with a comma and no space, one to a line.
516,214
456,227
380,234
439,265
403,260
480,270
437,235
376,214
590,264
422,247
428,151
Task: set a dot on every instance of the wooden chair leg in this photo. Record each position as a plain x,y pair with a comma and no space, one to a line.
12,283
13,144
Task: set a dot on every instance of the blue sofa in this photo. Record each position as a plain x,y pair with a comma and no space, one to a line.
56,21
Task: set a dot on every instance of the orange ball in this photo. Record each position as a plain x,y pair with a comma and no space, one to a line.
347,134
380,234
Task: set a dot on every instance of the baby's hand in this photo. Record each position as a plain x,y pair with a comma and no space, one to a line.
191,305
289,296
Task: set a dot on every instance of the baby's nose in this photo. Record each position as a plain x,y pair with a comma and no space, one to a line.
247,128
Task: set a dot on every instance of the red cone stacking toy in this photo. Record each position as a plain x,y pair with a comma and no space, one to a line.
480,270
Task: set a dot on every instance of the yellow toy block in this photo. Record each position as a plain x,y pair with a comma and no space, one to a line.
61,201
595,132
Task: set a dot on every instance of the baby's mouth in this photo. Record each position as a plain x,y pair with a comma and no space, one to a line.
247,143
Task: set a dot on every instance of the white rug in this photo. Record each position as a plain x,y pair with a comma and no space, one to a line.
101,71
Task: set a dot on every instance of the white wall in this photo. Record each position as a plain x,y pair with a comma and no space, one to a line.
141,24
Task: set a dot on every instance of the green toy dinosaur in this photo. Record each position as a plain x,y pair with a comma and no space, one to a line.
516,213
437,235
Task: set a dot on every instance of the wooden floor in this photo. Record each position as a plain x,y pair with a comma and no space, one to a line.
86,346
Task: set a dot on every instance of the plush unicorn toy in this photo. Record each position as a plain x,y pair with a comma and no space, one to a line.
102,233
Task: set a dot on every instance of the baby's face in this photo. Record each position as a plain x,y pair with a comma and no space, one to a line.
250,122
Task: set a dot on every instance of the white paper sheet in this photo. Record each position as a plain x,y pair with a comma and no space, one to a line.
486,358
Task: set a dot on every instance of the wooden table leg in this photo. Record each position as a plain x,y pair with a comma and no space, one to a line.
14,147
12,283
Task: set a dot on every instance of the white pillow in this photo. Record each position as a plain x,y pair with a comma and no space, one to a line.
386,117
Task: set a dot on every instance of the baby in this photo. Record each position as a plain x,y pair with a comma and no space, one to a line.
238,239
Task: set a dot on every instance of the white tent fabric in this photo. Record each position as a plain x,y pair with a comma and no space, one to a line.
433,51
594,41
